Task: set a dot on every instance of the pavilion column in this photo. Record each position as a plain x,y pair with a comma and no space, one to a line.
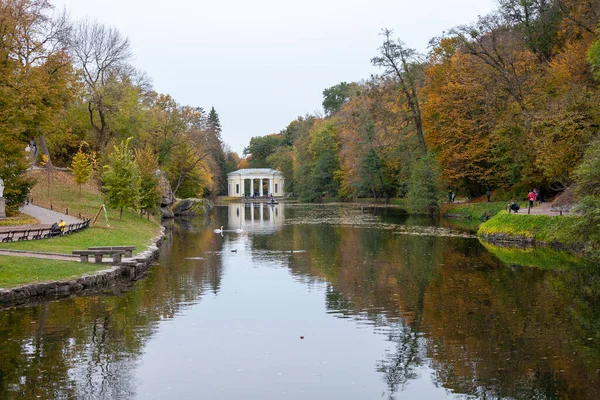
252,187
261,187
271,186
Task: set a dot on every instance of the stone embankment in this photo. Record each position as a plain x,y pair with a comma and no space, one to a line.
130,269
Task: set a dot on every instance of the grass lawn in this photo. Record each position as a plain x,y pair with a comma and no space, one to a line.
64,193
543,228
20,219
474,211
15,271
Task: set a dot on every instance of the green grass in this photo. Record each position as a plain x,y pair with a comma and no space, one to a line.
536,257
20,219
131,231
473,211
541,228
16,271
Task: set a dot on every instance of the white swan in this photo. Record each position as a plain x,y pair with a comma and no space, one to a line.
218,230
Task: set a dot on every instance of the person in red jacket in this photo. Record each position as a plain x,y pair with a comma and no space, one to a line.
531,197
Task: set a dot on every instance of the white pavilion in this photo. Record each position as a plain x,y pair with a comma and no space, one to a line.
262,182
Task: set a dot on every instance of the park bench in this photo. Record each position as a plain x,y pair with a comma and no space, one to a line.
127,249
24,235
116,255
9,236
39,233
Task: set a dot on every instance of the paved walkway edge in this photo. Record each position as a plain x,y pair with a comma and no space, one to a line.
130,269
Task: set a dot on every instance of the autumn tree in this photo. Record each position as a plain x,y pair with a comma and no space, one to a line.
121,178
403,64
82,167
112,85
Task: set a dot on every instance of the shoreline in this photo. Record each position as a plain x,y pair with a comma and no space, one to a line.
127,271
534,231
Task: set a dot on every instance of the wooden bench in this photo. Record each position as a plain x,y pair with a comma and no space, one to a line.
116,255
128,249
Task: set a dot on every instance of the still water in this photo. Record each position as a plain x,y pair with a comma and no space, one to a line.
318,302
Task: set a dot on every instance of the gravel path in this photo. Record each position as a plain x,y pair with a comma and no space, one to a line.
47,256
542,209
46,216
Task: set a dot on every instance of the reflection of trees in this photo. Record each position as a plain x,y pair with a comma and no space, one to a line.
488,330
399,368
87,347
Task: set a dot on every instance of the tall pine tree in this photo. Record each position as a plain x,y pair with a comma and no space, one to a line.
215,130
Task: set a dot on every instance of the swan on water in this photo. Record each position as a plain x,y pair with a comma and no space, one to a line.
219,230
239,230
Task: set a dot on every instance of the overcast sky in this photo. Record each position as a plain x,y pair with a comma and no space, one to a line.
263,63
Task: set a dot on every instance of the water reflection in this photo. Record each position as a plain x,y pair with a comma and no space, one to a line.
257,217
383,312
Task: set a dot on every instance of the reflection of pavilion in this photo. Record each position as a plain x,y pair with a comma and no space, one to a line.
254,217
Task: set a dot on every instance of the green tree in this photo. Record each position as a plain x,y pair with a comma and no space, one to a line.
335,96
218,152
82,167
261,147
121,178
13,167
594,57
536,21
282,159
149,197
424,187
588,190
325,166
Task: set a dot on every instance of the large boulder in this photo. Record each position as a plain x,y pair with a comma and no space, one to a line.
167,197
191,207
166,213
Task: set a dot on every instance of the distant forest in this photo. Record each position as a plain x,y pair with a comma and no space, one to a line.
507,103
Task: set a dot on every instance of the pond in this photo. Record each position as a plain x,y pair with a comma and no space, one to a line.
317,302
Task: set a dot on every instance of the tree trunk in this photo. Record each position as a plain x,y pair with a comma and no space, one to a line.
121,215
44,147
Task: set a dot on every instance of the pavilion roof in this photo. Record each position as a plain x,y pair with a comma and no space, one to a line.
256,171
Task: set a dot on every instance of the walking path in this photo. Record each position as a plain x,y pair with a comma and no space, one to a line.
542,209
47,256
46,216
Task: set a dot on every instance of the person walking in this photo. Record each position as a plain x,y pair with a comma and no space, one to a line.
488,194
531,197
